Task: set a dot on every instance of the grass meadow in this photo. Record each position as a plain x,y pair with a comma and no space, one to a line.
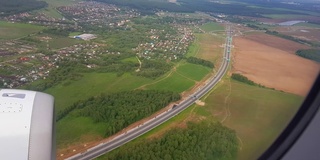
258,115
10,30
62,42
212,26
92,84
193,71
174,82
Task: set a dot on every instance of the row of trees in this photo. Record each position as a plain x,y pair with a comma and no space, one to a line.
119,110
242,78
302,41
199,61
313,54
203,140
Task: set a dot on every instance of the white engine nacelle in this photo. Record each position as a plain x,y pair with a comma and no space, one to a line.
27,125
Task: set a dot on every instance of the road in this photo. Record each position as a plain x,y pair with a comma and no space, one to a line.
103,148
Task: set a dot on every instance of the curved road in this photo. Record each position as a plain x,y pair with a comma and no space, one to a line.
103,148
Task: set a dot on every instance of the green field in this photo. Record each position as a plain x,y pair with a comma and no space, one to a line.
72,130
74,34
17,30
131,59
175,82
257,114
194,48
211,48
92,84
62,42
193,71
209,27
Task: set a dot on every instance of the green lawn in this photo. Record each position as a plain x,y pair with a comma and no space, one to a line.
71,130
17,30
93,84
131,59
209,27
62,42
193,71
74,34
257,114
194,48
175,83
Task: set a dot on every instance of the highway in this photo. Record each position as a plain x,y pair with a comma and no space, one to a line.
103,148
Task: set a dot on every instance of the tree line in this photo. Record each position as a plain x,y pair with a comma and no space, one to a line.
312,54
119,110
200,61
244,79
201,141
8,7
301,41
150,7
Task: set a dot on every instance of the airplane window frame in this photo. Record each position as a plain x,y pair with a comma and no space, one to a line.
296,126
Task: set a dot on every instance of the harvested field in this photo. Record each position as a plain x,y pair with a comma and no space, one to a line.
276,42
271,61
301,32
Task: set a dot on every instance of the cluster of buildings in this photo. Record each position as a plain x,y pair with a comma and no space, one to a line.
31,66
41,19
98,14
171,47
34,61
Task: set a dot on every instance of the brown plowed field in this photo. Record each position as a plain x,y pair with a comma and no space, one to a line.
271,61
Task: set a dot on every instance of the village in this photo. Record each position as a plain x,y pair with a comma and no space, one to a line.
31,58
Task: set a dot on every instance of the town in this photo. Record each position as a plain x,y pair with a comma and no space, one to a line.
24,60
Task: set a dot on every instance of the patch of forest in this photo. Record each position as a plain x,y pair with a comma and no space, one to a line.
8,7
149,7
200,61
119,110
153,68
312,54
200,141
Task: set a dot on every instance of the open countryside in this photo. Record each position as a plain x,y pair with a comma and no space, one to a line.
150,59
